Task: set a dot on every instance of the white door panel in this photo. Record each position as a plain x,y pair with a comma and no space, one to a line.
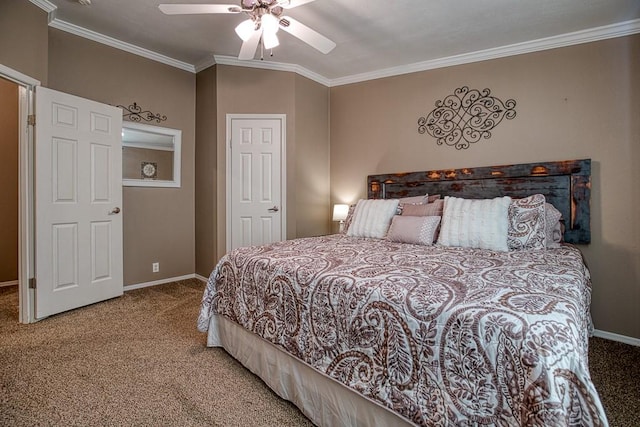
256,214
78,173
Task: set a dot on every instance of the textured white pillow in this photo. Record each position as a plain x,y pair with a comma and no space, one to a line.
475,223
371,218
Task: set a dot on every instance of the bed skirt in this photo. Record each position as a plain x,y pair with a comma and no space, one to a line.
323,400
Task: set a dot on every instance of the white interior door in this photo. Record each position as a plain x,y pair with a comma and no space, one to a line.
256,171
78,197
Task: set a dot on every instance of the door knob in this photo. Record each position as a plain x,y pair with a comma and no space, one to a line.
273,209
115,210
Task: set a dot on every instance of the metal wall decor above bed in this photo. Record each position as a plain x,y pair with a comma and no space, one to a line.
465,117
565,184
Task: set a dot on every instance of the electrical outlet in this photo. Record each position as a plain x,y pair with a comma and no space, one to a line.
155,267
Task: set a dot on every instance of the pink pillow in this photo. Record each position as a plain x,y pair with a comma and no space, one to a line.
414,200
430,209
419,230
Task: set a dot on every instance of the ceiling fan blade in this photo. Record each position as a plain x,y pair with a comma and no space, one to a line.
290,4
307,35
192,9
248,49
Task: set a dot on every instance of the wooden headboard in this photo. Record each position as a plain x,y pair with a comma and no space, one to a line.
565,184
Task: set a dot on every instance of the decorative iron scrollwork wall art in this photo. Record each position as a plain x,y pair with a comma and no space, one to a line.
466,116
134,113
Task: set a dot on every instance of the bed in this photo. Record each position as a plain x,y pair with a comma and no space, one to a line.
376,331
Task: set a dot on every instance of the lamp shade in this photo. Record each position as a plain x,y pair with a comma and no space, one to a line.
245,29
269,24
340,212
270,40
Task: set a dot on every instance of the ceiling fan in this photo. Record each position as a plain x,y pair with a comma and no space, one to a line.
265,18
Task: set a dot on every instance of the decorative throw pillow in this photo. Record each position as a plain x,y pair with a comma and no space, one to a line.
372,218
414,200
419,230
553,226
432,198
475,223
430,209
527,223
348,219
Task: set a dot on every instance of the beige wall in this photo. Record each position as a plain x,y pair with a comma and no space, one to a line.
132,159
248,90
312,158
8,181
572,103
206,169
23,38
158,222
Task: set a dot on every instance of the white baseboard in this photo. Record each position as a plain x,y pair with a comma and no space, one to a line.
616,337
201,278
158,282
9,283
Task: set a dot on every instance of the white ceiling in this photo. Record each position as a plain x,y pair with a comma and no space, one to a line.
374,37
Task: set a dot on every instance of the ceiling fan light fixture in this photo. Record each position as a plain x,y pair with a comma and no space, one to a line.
269,24
245,29
270,40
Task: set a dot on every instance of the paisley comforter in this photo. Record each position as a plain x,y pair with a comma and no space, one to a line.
442,336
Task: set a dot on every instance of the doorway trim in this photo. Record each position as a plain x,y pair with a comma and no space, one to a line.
26,87
283,169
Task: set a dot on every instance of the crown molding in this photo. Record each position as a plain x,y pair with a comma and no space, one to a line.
205,63
118,44
578,37
277,66
45,5
563,40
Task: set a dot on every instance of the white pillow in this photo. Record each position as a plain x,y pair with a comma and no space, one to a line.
475,223
371,218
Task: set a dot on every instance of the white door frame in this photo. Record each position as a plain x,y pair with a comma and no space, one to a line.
26,86
283,170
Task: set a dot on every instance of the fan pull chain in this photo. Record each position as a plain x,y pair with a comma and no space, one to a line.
262,50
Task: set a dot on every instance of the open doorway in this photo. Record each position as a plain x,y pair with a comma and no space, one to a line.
9,202
25,86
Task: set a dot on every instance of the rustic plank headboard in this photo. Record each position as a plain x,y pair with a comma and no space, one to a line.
565,184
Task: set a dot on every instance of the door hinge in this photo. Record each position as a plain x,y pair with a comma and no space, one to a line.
31,119
32,283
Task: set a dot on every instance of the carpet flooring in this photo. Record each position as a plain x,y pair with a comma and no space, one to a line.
138,360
